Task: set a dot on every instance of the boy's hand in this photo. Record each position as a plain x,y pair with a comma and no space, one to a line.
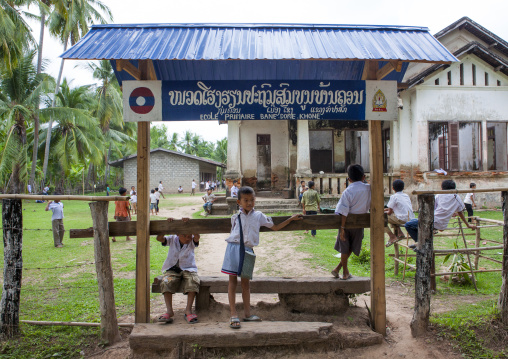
296,217
160,238
170,219
342,236
196,237
185,220
471,226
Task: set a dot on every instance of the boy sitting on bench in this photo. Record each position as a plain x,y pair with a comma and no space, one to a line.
179,267
399,211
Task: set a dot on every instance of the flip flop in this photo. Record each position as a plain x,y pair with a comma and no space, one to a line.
335,274
390,243
235,323
191,318
252,318
349,276
165,318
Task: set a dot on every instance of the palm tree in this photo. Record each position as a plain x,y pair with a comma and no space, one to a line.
69,21
173,143
186,143
20,89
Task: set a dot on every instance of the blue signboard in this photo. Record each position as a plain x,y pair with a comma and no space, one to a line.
263,100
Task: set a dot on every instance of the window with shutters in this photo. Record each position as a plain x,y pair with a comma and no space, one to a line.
455,146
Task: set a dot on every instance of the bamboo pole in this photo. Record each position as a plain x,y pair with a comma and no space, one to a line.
466,250
64,197
503,294
72,324
475,271
468,256
455,191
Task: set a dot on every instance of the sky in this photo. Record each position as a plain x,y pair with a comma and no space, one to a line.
434,14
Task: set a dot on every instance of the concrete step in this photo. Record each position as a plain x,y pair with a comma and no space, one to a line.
159,338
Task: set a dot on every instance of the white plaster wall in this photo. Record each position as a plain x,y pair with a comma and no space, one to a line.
365,161
279,137
404,123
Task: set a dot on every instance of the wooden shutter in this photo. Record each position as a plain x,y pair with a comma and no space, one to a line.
442,153
453,132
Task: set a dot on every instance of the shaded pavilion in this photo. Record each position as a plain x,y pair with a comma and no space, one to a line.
254,52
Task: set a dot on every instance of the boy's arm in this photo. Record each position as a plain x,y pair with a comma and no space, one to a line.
47,206
160,238
342,236
388,210
294,217
195,238
461,215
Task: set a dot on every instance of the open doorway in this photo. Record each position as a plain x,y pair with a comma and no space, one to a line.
264,160
321,151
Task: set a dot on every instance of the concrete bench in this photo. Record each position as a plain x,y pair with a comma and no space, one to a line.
298,293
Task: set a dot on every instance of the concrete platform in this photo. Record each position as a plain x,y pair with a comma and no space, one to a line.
160,338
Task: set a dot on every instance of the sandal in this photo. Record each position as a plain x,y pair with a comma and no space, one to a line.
252,318
235,323
191,318
165,318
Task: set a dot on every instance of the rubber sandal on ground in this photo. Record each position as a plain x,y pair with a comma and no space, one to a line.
165,318
191,318
235,323
252,318
349,276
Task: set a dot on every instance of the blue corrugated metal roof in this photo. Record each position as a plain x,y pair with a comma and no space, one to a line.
249,51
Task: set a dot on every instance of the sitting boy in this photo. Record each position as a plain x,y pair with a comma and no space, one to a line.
445,206
355,200
179,267
209,198
399,211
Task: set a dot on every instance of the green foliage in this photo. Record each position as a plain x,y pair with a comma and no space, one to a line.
458,264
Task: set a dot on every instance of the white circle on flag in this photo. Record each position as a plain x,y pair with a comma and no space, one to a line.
140,101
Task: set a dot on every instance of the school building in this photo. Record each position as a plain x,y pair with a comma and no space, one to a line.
172,168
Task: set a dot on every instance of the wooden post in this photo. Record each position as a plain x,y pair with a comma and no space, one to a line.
478,240
142,306
433,285
503,296
12,223
396,255
109,323
377,246
424,256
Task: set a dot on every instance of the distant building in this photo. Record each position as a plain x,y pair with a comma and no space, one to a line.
172,168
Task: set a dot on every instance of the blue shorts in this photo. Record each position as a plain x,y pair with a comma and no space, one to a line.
232,258
152,206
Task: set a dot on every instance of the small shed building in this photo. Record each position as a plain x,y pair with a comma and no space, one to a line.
172,168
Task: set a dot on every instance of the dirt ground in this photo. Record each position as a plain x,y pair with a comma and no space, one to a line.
277,256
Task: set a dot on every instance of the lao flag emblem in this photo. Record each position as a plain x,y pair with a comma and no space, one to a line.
142,100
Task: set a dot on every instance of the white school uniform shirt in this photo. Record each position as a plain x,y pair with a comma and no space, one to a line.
469,198
57,209
153,198
251,223
132,192
193,184
160,187
178,254
134,198
234,192
355,199
207,185
401,205
157,195
444,208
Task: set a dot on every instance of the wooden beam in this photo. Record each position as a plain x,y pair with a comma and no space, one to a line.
142,306
125,65
223,225
151,70
64,197
389,67
369,70
456,191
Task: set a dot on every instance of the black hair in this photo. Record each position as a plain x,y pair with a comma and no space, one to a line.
302,182
472,184
398,185
156,189
235,181
448,184
310,184
245,190
122,190
152,191
355,172
160,181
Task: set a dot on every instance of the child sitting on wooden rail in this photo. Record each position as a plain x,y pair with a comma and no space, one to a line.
445,206
399,212
244,236
355,200
179,268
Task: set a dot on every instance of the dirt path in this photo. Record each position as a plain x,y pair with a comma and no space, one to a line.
277,257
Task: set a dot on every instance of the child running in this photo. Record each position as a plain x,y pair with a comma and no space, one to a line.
355,200
179,268
250,221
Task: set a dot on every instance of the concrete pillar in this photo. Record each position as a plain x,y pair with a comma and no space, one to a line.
485,150
234,167
302,149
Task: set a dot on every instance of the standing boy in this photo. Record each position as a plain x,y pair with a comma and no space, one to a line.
153,201
250,221
469,202
160,190
355,200
310,203
234,189
193,188
179,267
399,211
301,190
208,198
445,206
57,221
122,211
157,197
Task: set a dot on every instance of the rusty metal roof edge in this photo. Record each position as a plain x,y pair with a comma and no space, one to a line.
119,161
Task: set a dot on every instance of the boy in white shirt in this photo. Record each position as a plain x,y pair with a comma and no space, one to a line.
160,188
208,198
134,201
355,200
57,221
193,188
179,268
469,202
153,201
234,190
157,197
445,206
399,211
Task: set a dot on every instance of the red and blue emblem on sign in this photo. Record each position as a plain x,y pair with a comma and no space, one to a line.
141,100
